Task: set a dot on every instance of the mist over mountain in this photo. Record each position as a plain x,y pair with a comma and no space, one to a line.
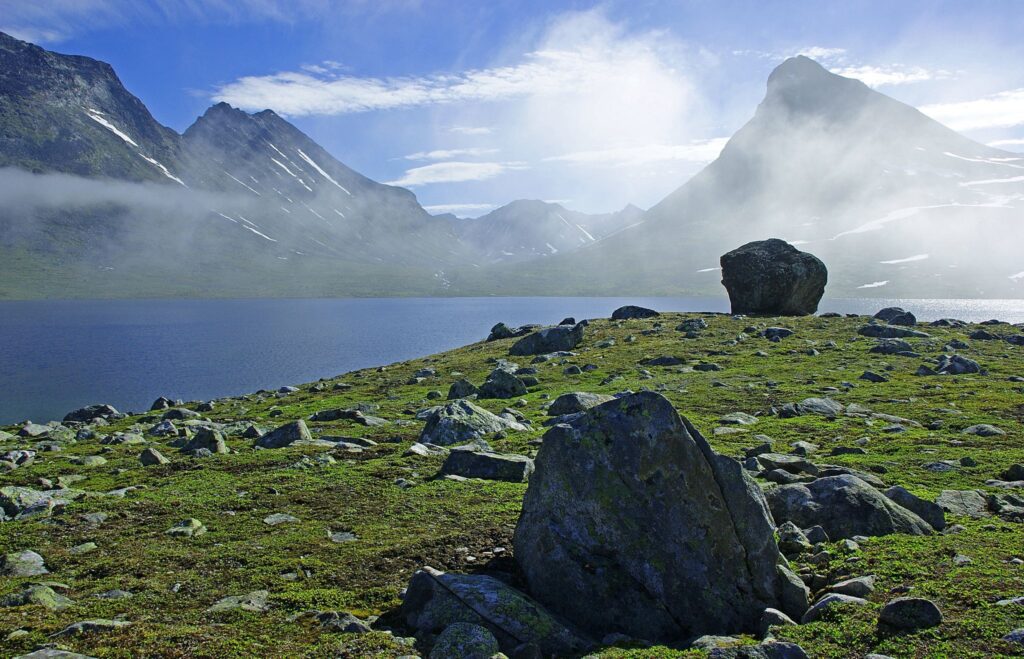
101,200
895,203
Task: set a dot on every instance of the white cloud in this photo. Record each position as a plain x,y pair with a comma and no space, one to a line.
1002,110
445,154
459,209
822,54
878,76
544,72
698,151
909,259
471,130
454,172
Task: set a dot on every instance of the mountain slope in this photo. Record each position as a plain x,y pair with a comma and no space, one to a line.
529,229
876,189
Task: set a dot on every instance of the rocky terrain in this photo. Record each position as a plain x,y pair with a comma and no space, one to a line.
654,485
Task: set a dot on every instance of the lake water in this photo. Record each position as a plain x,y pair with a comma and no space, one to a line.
57,355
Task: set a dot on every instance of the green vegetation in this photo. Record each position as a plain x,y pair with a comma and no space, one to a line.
458,525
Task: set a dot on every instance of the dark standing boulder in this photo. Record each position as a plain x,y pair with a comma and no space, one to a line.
87,414
633,525
773,277
844,506
462,388
926,510
208,439
503,331
896,316
549,339
631,312
911,613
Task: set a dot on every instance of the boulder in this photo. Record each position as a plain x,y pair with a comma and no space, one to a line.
501,383
151,456
466,641
208,439
773,277
891,347
462,388
890,332
90,412
844,506
827,602
434,600
285,435
577,401
967,503
549,339
911,613
926,510
957,365
461,421
631,312
503,331
25,563
469,462
631,524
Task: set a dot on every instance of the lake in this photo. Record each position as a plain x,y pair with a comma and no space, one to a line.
57,355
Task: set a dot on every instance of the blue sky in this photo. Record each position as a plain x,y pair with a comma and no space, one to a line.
474,104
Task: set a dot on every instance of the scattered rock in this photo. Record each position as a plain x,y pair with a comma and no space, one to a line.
279,518
983,430
843,505
549,339
911,613
89,413
285,435
38,594
502,384
256,601
857,587
462,389
91,627
926,510
151,456
630,312
465,640
26,563
206,439
577,401
461,421
967,503
828,602
471,463
188,528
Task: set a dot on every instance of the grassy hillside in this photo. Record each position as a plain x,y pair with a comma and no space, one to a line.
403,518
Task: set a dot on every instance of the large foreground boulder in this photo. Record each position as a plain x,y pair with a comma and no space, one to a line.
549,339
632,524
773,277
461,421
844,506
435,600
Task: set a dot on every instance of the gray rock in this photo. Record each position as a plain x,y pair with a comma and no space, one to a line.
844,506
632,524
738,418
208,439
503,331
434,600
37,594
577,401
471,463
891,347
794,464
549,339
466,641
26,563
285,435
911,613
1016,637
502,384
967,503
825,407
890,332
983,430
188,528
275,519
773,618
53,653
461,421
773,277
89,413
957,365
96,626
827,602
631,312
256,601
776,333
769,649
857,587
871,376
461,389
151,456
926,510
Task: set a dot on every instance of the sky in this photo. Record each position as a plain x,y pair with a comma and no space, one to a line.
594,105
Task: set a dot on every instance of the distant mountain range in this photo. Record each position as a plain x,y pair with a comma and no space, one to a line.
101,200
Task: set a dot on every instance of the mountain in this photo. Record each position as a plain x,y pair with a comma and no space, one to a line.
530,229
895,203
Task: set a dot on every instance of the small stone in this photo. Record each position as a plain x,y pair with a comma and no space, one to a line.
911,613
25,563
188,528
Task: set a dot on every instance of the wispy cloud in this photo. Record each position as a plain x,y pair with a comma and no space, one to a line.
1001,110
999,144
698,151
454,172
445,154
471,130
550,71
879,76
459,209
